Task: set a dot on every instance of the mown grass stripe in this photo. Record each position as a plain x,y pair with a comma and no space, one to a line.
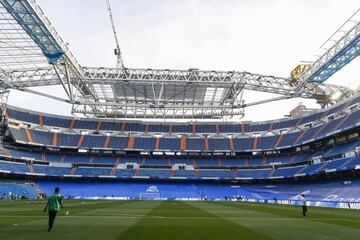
182,221
140,220
75,226
314,213
291,229
129,216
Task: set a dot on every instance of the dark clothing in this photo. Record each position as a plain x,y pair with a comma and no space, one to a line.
304,210
52,216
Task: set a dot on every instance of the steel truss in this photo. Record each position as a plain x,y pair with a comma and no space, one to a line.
256,82
4,95
342,52
33,55
145,91
31,42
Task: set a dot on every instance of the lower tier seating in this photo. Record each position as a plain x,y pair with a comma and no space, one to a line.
214,161
17,190
202,173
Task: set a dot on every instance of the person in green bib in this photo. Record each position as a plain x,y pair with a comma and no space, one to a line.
55,201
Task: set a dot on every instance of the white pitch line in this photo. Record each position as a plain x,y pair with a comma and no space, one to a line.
195,218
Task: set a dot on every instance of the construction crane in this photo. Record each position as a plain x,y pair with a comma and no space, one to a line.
117,51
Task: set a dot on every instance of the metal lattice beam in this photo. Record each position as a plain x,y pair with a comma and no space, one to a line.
145,87
255,82
342,52
33,54
31,42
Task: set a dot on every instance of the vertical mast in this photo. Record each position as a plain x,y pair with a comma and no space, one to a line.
117,51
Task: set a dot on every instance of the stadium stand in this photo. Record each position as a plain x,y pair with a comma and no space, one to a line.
330,191
17,190
166,133
67,140
32,117
42,145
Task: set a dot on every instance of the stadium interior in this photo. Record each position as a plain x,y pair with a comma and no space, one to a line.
317,146
89,151
121,148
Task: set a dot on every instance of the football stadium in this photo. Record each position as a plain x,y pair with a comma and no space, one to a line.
162,153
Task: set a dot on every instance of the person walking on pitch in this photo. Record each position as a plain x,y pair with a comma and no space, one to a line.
55,201
303,204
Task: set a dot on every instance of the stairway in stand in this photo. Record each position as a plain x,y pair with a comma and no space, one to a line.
73,170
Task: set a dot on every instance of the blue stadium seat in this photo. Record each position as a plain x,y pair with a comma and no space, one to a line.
54,171
93,171
170,144
19,189
125,173
158,173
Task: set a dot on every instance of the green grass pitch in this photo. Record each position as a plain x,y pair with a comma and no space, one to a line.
170,220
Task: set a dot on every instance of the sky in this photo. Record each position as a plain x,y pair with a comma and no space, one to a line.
269,37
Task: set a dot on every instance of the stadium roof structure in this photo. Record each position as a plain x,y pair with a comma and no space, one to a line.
32,54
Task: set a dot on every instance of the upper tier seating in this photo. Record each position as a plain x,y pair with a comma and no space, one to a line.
237,144
241,135
54,171
253,173
127,126
222,174
160,173
14,167
88,171
287,171
146,160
